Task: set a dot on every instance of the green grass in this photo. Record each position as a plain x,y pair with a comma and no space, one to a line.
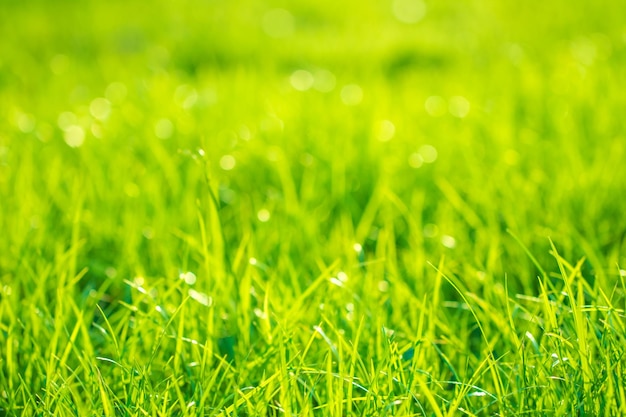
435,227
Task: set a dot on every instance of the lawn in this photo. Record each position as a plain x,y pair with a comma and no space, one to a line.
359,208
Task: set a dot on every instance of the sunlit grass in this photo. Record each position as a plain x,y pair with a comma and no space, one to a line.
322,208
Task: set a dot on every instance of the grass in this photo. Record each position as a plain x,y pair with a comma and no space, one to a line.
265,208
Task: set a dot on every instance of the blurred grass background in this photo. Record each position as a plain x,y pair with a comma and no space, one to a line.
415,130
539,151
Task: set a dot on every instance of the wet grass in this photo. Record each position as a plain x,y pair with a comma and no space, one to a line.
246,208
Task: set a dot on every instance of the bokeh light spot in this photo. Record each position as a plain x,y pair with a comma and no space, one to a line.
416,160
116,92
325,81
448,241
459,106
164,129
278,23
435,106
189,277
301,80
66,119
25,122
263,215
428,153
408,11
385,130
100,108
227,162
351,94
185,96
74,136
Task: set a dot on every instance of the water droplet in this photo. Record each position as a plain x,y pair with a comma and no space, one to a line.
383,286
448,241
260,314
189,277
336,282
201,297
342,276
357,247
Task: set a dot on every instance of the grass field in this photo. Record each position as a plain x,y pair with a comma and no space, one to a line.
317,208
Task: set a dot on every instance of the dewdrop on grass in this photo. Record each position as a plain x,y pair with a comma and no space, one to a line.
335,281
448,241
189,277
200,297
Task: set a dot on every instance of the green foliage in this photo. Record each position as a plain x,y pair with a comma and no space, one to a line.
312,208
